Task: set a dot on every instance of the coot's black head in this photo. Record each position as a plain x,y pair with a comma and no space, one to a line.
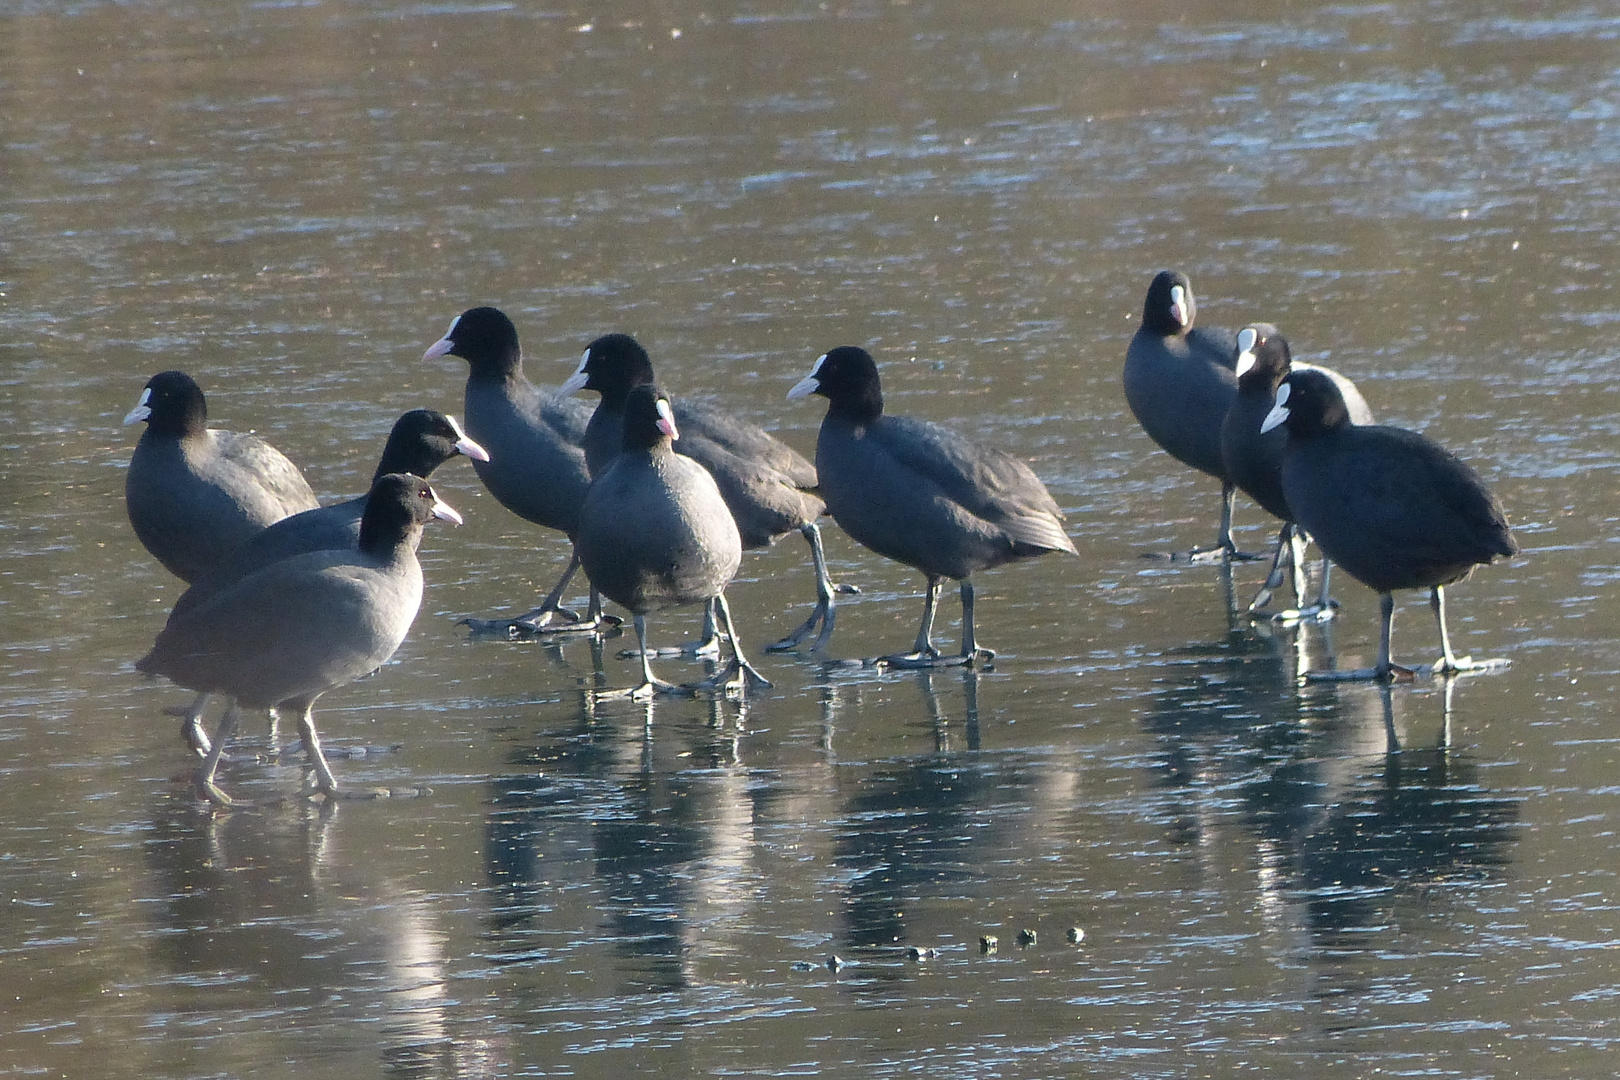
1309,403
649,422
397,508
421,441
613,365
485,338
848,378
1170,307
1263,357
172,404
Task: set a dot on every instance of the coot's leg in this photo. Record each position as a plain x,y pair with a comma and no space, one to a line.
970,642
705,648
736,674
324,780
1386,670
538,621
205,773
1319,610
923,653
1225,547
1274,578
824,609
1450,664
650,683
191,728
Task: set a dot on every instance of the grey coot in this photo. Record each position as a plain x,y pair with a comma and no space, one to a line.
1254,458
288,633
768,485
1395,509
923,495
1180,383
196,494
655,533
421,441
537,465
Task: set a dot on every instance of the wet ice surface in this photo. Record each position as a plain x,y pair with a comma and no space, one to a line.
292,202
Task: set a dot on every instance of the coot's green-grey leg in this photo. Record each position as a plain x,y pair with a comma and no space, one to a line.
736,674
325,782
538,620
824,609
970,642
205,773
1449,663
706,647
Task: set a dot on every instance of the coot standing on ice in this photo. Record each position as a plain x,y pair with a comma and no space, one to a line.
655,533
419,442
537,466
923,495
1254,458
288,633
1395,509
1179,383
768,485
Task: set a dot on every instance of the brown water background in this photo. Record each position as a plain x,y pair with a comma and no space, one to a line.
291,200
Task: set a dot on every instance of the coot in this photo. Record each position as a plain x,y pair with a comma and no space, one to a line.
537,466
655,533
1395,509
923,495
1254,458
286,634
196,494
768,485
1179,383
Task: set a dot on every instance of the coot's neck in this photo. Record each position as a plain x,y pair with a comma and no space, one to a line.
615,389
183,419
858,407
418,454
385,531
498,365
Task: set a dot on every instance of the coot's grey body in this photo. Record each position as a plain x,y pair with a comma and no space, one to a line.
1254,457
655,533
537,464
1395,509
768,486
194,494
923,495
291,631
1180,383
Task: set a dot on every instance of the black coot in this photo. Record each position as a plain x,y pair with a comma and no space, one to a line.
1180,384
655,533
288,633
1395,509
537,465
768,485
923,495
1254,458
195,494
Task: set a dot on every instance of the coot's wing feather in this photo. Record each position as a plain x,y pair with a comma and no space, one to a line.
985,481
279,478
745,441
